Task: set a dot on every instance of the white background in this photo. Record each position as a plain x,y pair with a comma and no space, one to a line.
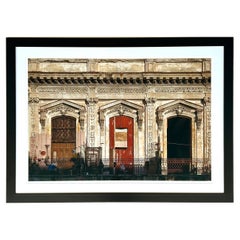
75,18
216,183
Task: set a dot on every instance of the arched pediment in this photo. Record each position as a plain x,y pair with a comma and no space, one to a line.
183,104
62,103
180,108
62,107
121,103
121,107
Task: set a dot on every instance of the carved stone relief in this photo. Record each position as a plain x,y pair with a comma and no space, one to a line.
207,101
180,89
61,91
121,90
62,107
33,112
92,113
149,120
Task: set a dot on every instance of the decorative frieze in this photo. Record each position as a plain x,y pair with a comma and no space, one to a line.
119,90
180,89
60,91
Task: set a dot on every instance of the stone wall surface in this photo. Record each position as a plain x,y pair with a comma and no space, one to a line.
119,65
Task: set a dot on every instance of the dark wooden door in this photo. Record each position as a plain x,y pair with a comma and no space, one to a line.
63,137
121,141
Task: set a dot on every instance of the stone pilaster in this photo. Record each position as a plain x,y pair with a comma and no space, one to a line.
33,128
91,124
207,132
149,120
199,141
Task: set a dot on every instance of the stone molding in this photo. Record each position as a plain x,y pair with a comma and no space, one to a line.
121,107
149,123
119,71
180,108
120,65
62,107
117,78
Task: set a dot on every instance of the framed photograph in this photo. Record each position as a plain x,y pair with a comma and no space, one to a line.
120,119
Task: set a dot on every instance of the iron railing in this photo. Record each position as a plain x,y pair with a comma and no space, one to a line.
62,169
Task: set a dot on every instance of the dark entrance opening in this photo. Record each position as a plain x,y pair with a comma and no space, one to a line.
179,146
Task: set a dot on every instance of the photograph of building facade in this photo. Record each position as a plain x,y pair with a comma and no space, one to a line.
131,116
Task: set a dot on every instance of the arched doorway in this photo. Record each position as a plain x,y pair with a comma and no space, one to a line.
179,144
63,137
121,142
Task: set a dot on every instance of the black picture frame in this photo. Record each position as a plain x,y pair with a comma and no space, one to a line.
225,196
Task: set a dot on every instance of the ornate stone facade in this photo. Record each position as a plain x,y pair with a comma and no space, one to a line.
150,91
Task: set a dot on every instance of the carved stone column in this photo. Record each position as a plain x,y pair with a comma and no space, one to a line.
207,134
160,119
199,141
91,122
149,120
33,112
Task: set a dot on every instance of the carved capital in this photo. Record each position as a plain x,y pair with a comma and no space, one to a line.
149,100
33,100
91,101
43,116
206,100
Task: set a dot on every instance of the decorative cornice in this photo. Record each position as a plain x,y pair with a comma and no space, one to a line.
119,78
120,71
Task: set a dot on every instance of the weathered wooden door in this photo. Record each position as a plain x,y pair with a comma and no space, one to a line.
122,141
63,137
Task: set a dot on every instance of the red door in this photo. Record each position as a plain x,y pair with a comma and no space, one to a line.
121,142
